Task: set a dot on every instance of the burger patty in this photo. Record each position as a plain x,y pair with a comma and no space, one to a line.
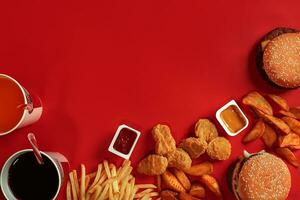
260,52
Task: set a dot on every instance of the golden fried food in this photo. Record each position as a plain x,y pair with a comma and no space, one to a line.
200,169
256,132
288,155
195,147
269,136
255,100
291,139
153,165
179,159
164,141
168,195
206,130
212,184
186,196
287,114
182,178
296,112
172,182
294,124
276,122
219,149
281,102
197,190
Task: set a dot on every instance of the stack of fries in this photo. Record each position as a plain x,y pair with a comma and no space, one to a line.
108,182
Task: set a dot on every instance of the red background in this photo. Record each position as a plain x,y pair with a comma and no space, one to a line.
97,64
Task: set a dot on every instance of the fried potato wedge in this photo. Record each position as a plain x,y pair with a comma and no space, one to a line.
172,182
186,196
291,139
256,132
287,114
294,124
288,155
297,147
269,136
168,195
212,184
256,100
276,122
197,190
296,112
200,169
281,102
182,178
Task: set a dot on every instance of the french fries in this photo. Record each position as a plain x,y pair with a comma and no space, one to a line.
200,169
288,155
256,132
108,183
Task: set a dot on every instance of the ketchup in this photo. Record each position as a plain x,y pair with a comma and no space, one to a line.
125,140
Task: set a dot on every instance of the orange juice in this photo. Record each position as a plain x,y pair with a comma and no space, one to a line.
11,101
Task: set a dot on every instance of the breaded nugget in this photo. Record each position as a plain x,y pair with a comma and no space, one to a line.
164,141
206,130
219,149
195,147
153,165
179,159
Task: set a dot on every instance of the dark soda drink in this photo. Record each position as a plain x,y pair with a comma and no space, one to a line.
29,180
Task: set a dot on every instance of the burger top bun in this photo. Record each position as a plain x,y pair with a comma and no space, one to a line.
264,176
281,60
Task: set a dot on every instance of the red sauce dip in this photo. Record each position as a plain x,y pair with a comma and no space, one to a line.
125,140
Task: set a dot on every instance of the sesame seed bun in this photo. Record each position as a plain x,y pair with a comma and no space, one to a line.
278,57
262,176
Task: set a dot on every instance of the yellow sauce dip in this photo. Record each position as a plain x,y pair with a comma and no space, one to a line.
233,119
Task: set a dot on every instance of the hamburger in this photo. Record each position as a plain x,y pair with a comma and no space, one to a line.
278,57
260,176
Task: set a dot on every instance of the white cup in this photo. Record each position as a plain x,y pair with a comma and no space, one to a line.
59,161
33,108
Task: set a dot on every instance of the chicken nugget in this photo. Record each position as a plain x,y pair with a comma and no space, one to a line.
164,141
206,130
153,165
179,159
219,149
256,100
195,147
